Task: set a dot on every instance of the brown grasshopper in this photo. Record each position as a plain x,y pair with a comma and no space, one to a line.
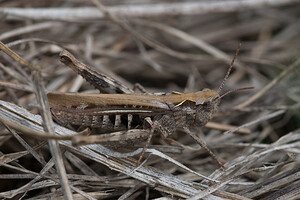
128,110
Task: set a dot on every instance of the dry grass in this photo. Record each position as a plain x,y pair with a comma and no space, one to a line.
165,47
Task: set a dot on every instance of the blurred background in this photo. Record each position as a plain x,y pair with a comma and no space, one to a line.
166,46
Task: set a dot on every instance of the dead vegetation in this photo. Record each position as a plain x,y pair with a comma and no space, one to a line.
164,46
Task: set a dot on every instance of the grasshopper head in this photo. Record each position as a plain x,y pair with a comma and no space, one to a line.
207,101
206,107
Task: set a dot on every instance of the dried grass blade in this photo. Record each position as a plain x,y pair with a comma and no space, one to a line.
48,127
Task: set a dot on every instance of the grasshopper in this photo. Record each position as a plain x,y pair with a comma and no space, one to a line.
126,110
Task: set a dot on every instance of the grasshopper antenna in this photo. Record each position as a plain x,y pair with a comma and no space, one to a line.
229,69
236,90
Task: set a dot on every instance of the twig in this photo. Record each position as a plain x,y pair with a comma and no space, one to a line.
179,8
